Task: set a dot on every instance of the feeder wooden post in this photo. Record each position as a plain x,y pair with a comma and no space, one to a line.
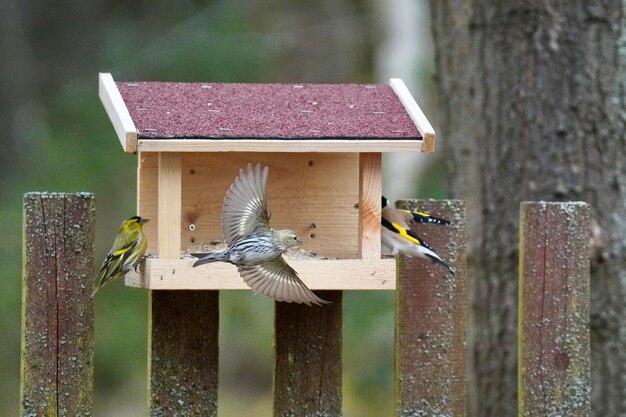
57,316
431,307
307,368
183,345
554,353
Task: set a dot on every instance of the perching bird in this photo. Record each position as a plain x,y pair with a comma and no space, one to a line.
128,248
253,246
398,236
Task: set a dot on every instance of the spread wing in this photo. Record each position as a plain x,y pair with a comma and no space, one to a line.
277,280
245,209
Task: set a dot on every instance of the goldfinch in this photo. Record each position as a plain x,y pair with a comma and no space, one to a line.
399,238
253,246
128,248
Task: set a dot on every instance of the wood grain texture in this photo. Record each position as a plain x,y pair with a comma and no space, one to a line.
346,274
308,366
431,320
117,112
316,195
416,114
169,205
370,192
554,351
183,353
57,317
287,145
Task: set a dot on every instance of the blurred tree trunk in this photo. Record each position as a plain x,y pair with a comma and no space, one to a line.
532,97
17,85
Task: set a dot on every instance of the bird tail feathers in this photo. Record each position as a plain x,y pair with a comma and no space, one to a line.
206,258
436,259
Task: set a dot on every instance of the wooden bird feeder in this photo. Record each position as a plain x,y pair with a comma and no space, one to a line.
323,144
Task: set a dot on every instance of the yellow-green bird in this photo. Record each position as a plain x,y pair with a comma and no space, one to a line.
128,248
253,246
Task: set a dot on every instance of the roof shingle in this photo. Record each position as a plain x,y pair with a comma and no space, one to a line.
166,110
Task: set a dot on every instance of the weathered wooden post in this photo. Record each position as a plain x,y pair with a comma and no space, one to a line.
554,372
183,358
57,317
431,309
307,371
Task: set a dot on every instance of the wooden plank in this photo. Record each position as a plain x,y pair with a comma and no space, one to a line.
57,317
287,145
316,195
431,309
416,114
370,192
169,205
344,274
308,367
183,353
117,112
554,352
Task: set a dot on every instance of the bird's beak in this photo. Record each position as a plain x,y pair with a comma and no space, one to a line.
299,241
144,221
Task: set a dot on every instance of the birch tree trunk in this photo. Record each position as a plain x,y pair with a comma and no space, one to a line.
532,98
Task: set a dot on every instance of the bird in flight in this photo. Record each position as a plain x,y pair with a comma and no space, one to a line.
253,246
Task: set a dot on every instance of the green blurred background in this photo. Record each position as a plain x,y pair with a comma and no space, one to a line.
57,137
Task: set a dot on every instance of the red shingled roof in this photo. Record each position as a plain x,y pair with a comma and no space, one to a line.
279,111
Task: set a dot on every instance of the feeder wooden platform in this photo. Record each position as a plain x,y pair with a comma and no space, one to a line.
331,274
323,144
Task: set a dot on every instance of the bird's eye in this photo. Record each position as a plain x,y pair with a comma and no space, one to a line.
295,238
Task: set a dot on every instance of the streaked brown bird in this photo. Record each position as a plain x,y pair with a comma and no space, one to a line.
253,246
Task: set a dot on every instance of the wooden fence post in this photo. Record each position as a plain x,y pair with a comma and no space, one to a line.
431,309
554,353
183,353
57,317
307,365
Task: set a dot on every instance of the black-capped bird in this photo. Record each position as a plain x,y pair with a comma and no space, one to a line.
128,248
253,246
399,238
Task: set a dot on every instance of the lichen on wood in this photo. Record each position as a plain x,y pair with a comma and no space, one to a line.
57,317
554,352
431,309
307,366
183,353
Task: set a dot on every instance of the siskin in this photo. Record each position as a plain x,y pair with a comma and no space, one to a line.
128,248
398,236
253,246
